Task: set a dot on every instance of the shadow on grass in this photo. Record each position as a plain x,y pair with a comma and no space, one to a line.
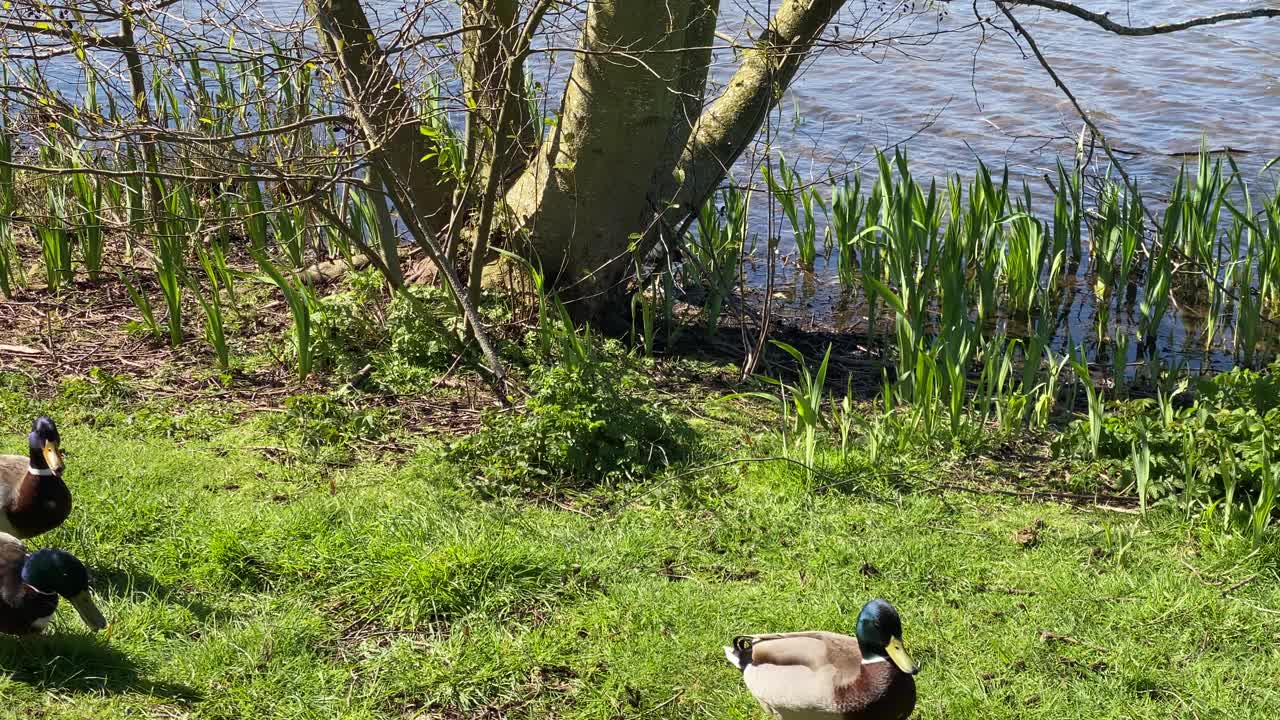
857,360
114,582
81,663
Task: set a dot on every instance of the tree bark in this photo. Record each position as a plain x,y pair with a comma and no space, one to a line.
695,64
386,114
487,52
624,157
729,125
586,192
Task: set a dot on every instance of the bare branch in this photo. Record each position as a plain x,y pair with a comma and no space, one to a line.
1104,21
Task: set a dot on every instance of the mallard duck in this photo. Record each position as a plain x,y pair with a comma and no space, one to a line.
824,676
33,497
30,586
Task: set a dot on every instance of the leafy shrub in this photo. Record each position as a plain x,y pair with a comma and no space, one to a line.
333,427
1212,453
346,326
419,322
408,340
585,425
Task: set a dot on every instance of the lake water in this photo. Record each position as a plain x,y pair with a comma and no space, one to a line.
966,94
952,92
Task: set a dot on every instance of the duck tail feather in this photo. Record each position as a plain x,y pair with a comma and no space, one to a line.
739,654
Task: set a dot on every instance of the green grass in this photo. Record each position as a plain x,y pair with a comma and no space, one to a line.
240,587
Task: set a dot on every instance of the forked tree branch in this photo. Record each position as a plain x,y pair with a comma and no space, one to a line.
1104,21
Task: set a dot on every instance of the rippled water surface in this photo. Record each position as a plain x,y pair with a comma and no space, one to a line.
952,90
966,93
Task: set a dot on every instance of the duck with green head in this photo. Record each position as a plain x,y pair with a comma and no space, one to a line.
817,675
30,585
33,497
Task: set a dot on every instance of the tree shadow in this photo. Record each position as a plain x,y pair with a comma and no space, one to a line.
115,582
81,663
857,360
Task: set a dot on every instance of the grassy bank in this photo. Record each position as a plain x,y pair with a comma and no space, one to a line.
247,579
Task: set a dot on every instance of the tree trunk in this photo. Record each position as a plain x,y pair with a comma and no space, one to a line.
587,191
624,158
695,63
387,116
486,53
729,125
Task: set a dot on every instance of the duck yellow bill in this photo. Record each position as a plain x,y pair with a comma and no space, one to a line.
52,456
898,654
89,612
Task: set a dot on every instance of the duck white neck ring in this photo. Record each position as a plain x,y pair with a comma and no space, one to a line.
41,472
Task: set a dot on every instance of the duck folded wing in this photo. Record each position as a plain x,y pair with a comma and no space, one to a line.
798,672
811,649
12,555
13,469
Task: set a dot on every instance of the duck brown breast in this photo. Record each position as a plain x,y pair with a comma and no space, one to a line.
40,504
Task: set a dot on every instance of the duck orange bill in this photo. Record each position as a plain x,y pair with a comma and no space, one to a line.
52,456
83,603
898,654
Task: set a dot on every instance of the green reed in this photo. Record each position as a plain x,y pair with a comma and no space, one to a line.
290,230
644,306
301,302
1268,245
955,381
1047,400
143,305
1117,235
1097,410
908,229
219,242
797,203
135,195
10,264
55,239
252,211
9,260
1140,454
371,220
715,251
847,215
1155,296
1068,211
845,417
214,266
87,191
1199,219
977,220
1264,506
448,149
1023,262
1038,259
1237,277
870,255
807,399
171,241
996,370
